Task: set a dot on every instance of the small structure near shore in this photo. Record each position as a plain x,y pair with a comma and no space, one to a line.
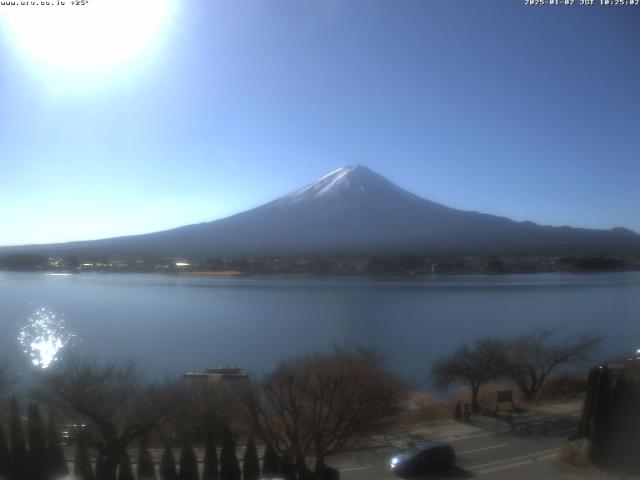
215,377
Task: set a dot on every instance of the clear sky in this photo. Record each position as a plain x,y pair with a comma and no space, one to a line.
527,112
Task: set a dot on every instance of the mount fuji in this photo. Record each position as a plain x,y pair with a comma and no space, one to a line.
353,210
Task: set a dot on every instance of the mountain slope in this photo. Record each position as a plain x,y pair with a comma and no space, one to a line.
355,210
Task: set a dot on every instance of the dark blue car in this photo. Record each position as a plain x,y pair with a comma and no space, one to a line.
423,458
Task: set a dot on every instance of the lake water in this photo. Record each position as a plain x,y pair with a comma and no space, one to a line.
175,324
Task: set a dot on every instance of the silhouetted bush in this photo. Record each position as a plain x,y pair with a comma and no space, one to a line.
229,468
288,469
19,455
103,472
210,471
600,424
188,463
331,473
457,414
5,456
37,444
82,469
563,387
168,465
270,462
146,469
125,471
250,463
57,462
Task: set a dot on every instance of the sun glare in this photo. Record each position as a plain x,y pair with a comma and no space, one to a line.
86,35
43,336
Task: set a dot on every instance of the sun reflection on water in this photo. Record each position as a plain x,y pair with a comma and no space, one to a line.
43,336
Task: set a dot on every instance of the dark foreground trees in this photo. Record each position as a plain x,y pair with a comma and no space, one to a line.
188,463
38,450
168,470
250,462
321,405
82,469
20,461
229,467
270,462
57,462
146,468
112,400
210,467
5,455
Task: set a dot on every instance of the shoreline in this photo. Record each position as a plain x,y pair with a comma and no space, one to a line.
237,273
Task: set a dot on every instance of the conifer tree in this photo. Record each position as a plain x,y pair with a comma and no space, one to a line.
288,470
125,471
5,456
270,462
229,467
146,469
57,462
601,415
250,463
37,444
82,466
210,471
188,463
19,454
168,465
102,470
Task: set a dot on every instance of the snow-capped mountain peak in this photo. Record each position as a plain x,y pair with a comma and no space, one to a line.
348,182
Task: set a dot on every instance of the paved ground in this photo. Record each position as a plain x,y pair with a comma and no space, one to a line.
522,446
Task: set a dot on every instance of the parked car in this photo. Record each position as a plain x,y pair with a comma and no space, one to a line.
423,458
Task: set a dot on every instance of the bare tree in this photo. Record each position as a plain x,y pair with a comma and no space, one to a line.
474,366
111,399
322,405
201,411
534,355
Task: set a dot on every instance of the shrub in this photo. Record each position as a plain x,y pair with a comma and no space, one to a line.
210,471
5,456
188,463
125,471
168,465
563,387
19,455
57,463
82,467
270,462
251,464
229,468
146,469
37,444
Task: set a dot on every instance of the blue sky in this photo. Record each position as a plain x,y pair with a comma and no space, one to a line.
527,112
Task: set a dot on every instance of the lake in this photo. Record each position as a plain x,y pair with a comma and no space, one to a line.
174,324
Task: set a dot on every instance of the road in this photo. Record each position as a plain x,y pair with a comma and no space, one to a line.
525,449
